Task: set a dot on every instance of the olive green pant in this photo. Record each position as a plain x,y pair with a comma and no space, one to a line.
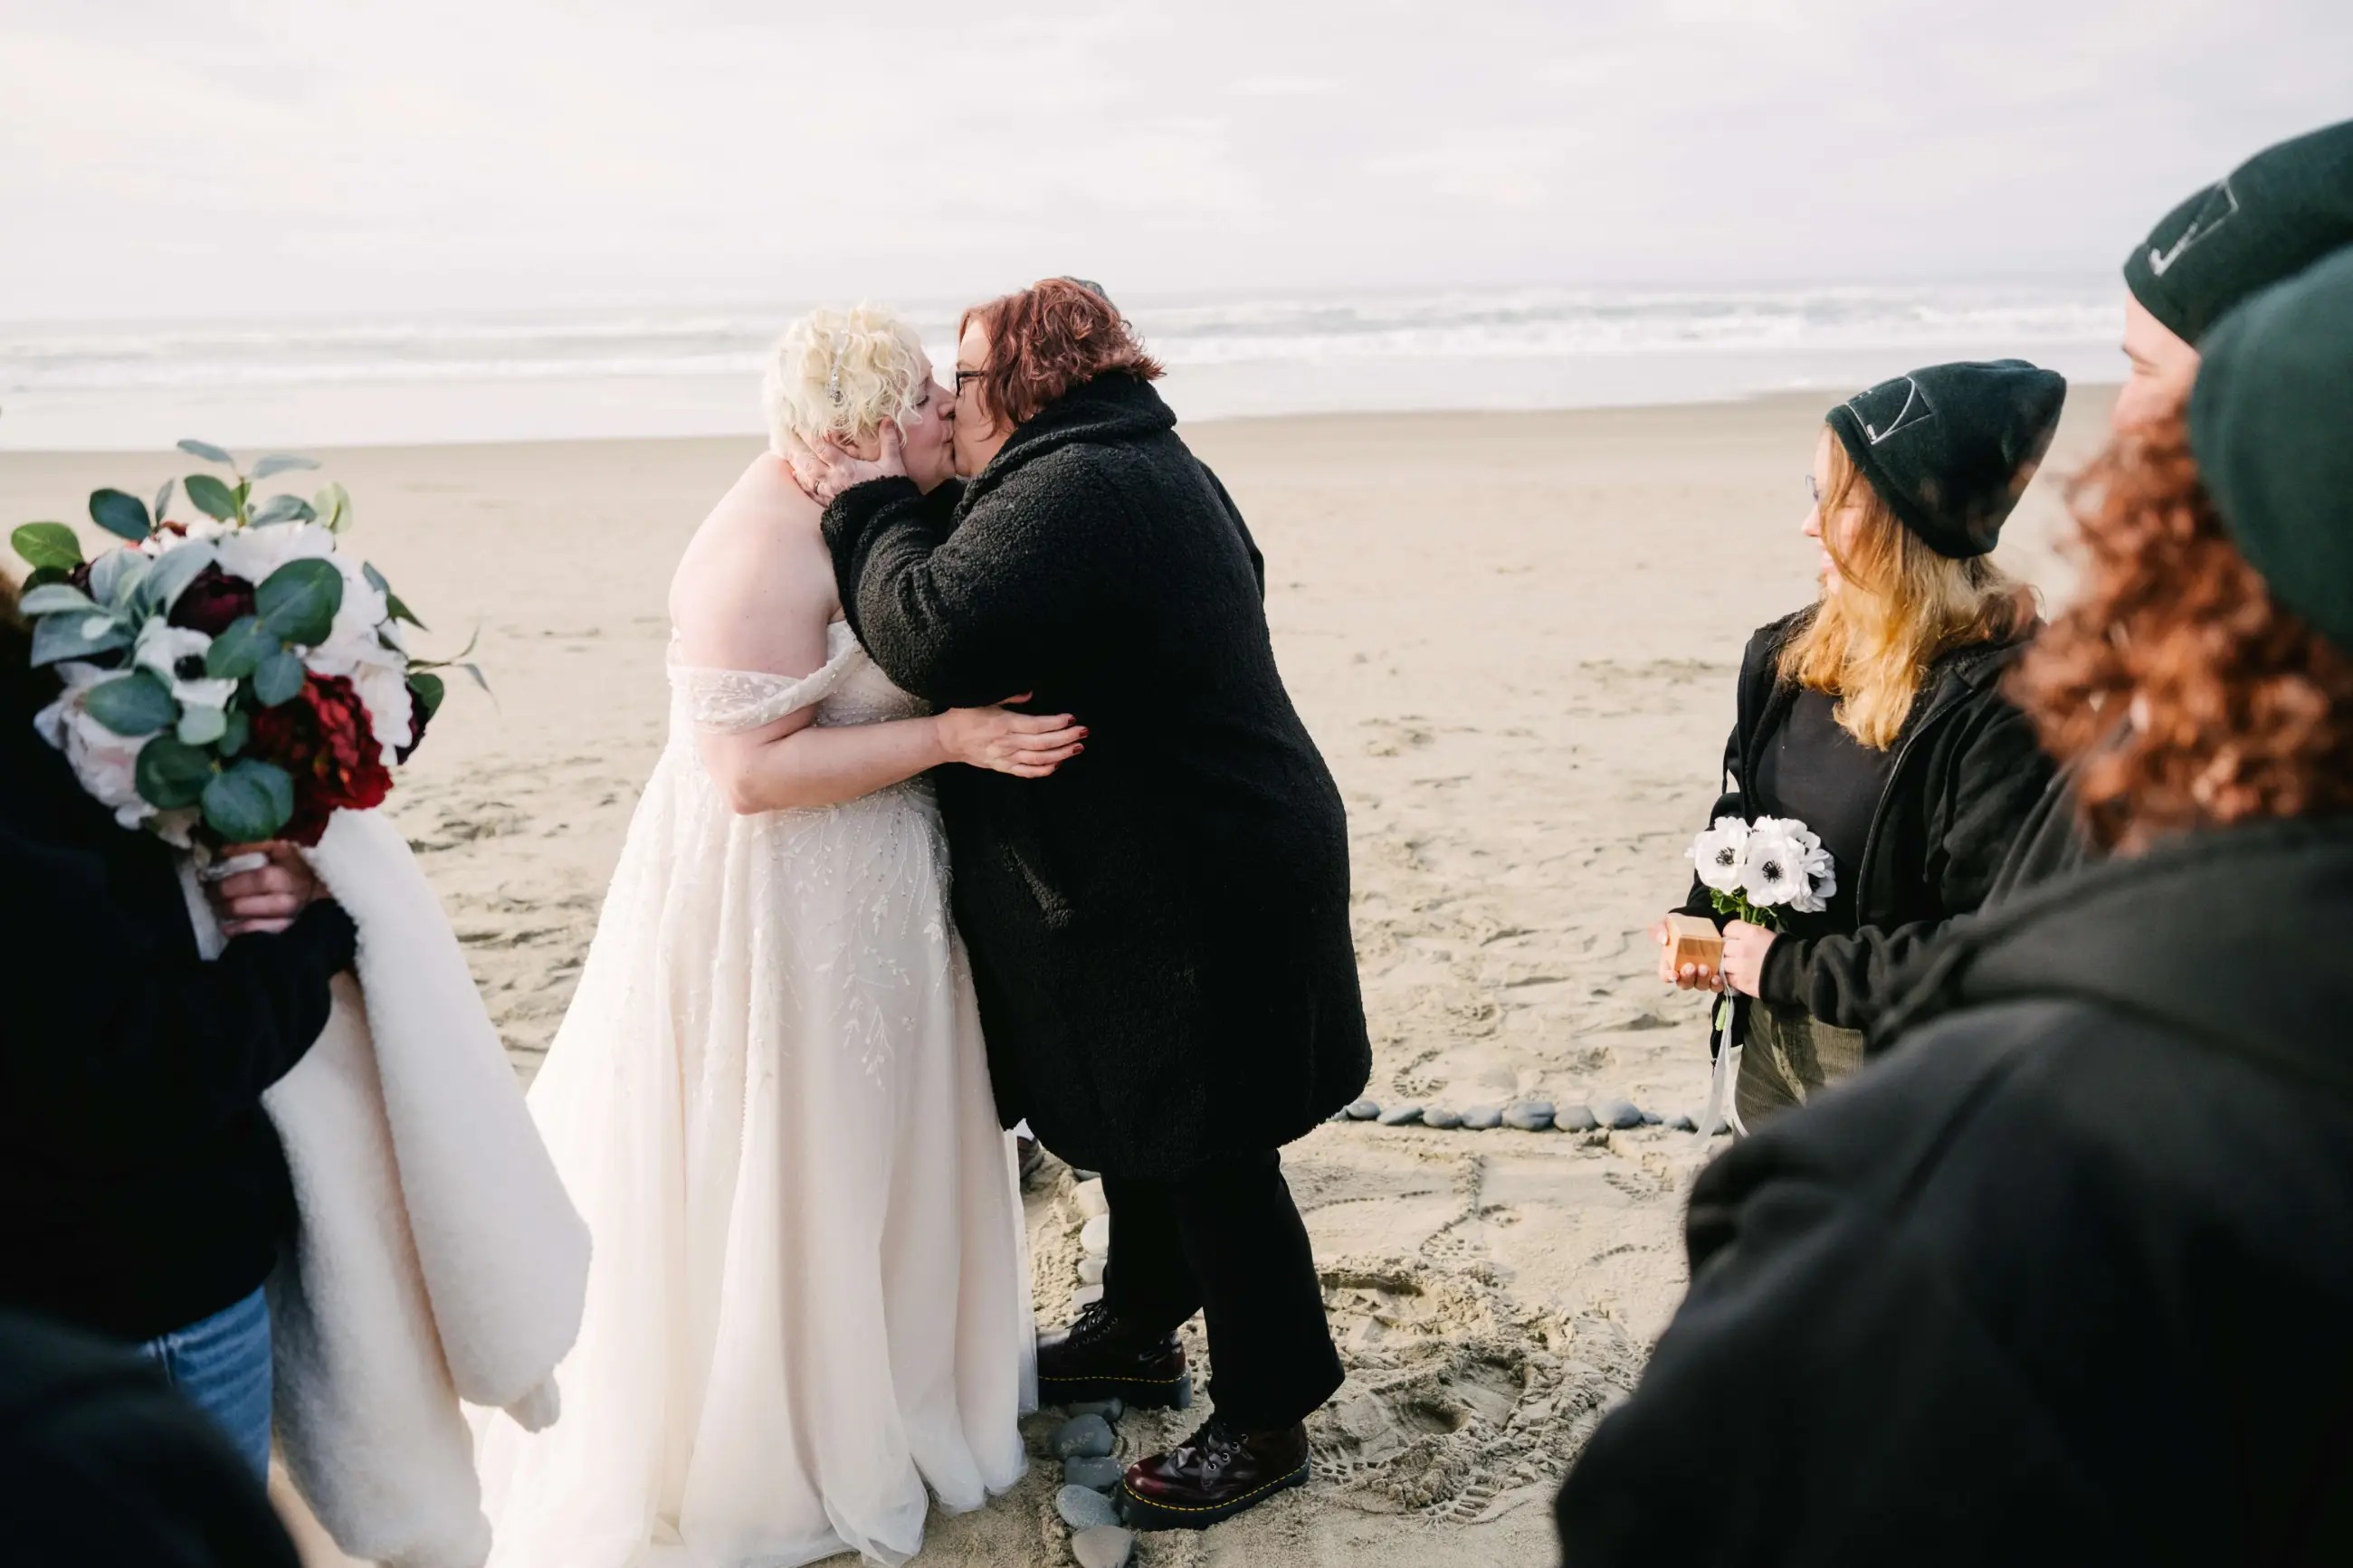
1789,1055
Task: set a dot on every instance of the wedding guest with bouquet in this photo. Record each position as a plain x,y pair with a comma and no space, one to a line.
143,1194
1871,728
2066,1279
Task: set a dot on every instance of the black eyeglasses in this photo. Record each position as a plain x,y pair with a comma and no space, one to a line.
963,375
1813,489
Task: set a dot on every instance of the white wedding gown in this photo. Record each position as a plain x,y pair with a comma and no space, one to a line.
808,1299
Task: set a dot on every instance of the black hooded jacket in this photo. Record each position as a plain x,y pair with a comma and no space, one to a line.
1967,774
1159,932
2065,1279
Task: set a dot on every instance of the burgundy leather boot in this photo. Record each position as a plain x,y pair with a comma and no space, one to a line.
1099,1357
1213,1473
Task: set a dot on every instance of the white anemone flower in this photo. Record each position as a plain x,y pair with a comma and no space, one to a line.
1775,872
1719,852
106,764
203,531
176,656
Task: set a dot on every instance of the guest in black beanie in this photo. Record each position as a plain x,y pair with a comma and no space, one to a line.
1874,715
2268,219
2066,1279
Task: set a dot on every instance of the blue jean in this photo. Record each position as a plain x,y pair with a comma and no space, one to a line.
221,1364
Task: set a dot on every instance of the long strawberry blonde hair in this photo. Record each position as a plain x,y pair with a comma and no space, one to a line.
1904,606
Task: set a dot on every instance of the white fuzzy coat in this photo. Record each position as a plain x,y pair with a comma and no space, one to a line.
437,1257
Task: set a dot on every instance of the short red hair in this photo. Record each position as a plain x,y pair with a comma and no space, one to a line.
2186,695
1049,338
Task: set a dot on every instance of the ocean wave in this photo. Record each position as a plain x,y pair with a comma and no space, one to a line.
1530,324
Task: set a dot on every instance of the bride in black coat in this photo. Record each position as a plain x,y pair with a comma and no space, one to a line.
1160,930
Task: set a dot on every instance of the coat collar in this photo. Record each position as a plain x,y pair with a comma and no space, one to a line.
1110,408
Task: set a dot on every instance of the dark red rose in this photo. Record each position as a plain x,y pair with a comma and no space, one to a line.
324,738
212,603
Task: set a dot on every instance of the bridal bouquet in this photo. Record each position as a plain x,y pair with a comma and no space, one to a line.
1752,871
230,679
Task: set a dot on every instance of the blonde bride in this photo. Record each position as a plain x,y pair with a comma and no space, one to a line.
808,1310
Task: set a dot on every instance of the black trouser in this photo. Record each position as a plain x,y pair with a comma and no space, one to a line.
1225,1240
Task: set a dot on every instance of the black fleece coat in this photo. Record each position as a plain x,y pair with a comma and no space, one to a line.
141,1188
103,1466
1968,773
2063,1279
1159,932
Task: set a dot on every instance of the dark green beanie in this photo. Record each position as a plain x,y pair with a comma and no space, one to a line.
1950,447
2271,421
2270,217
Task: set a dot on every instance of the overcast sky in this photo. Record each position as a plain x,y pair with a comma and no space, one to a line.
162,158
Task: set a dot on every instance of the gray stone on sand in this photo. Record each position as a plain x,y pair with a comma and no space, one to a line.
1363,1110
1109,1409
1653,1119
1091,1270
1094,1474
1438,1116
1106,1546
1529,1115
1083,1508
1576,1118
1094,1237
1400,1115
1085,1296
1480,1118
1618,1114
1682,1123
1083,1437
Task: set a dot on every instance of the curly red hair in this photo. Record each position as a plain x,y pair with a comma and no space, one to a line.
2186,695
1049,338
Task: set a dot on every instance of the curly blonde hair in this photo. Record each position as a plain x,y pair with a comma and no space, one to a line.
1905,607
842,374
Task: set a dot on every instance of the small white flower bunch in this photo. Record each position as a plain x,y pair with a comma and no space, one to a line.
1753,871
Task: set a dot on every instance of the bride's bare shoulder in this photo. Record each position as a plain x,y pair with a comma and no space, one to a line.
754,588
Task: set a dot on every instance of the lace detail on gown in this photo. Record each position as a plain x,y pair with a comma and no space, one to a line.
808,1304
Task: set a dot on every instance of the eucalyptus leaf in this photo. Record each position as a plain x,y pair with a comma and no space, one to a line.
476,671
334,508
122,515
283,508
250,802
212,498
163,500
400,612
207,451
56,638
239,651
280,679
116,576
171,774
202,726
46,576
235,733
282,463
47,545
299,600
428,691
51,600
172,574
132,705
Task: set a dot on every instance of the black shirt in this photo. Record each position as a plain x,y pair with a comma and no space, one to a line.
142,1186
1811,769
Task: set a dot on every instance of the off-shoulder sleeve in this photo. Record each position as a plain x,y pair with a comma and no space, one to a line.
730,702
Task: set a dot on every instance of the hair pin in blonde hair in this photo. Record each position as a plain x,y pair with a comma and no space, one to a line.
840,342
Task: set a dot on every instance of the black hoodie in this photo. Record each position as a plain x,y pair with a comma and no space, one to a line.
1966,775
1159,932
2067,1277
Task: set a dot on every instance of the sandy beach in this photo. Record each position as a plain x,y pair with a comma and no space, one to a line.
1514,637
